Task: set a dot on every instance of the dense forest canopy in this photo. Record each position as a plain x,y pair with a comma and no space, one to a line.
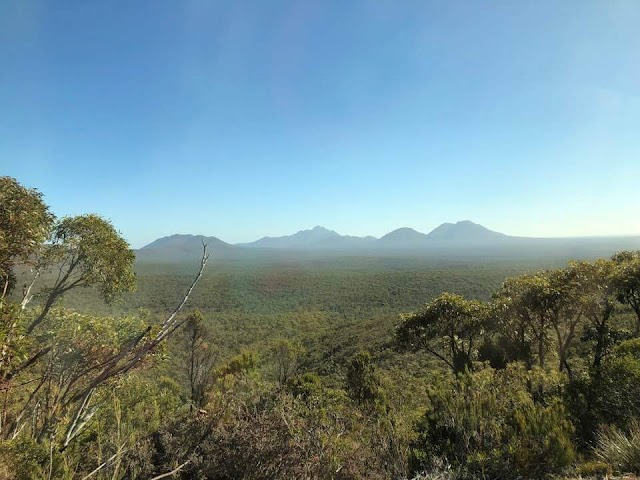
358,368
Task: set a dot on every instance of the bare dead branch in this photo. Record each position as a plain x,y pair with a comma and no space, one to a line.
79,420
26,294
4,292
106,463
128,358
169,324
178,469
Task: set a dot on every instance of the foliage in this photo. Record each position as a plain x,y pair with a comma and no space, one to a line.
55,381
594,468
253,433
618,387
363,383
488,423
245,362
77,343
609,395
25,223
196,356
91,245
378,437
528,307
451,325
271,377
627,282
285,356
24,459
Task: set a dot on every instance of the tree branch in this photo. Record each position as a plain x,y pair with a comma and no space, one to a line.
137,351
27,363
178,469
26,295
105,463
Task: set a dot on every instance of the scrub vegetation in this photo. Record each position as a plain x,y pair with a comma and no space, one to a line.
342,367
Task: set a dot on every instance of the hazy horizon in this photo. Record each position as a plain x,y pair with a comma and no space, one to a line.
425,231
244,121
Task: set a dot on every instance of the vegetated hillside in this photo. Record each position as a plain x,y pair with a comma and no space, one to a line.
302,323
299,364
295,363
251,301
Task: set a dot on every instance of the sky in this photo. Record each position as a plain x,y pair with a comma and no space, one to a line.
241,119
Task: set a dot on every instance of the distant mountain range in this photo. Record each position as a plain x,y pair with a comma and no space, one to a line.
460,237
317,237
464,232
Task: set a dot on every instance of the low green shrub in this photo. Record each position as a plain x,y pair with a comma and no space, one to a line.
594,468
608,395
488,423
23,459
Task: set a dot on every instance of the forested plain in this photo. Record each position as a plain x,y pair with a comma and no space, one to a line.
294,366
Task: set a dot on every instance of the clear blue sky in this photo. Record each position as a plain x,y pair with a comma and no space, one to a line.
243,119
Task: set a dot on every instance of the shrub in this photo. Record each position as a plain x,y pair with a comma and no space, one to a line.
24,458
272,438
488,423
594,468
607,396
629,348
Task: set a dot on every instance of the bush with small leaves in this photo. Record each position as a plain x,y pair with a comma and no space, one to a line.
608,395
489,424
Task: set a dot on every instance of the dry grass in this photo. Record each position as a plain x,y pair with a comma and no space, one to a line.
620,449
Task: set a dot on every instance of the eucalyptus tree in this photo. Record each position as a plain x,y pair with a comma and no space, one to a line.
86,251
593,292
512,322
449,328
25,224
197,357
627,282
571,290
528,306
53,376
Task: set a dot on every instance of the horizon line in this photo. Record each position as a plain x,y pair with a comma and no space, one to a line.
373,237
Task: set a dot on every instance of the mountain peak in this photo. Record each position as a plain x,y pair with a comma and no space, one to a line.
181,246
317,230
318,237
464,230
403,231
404,237
184,239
